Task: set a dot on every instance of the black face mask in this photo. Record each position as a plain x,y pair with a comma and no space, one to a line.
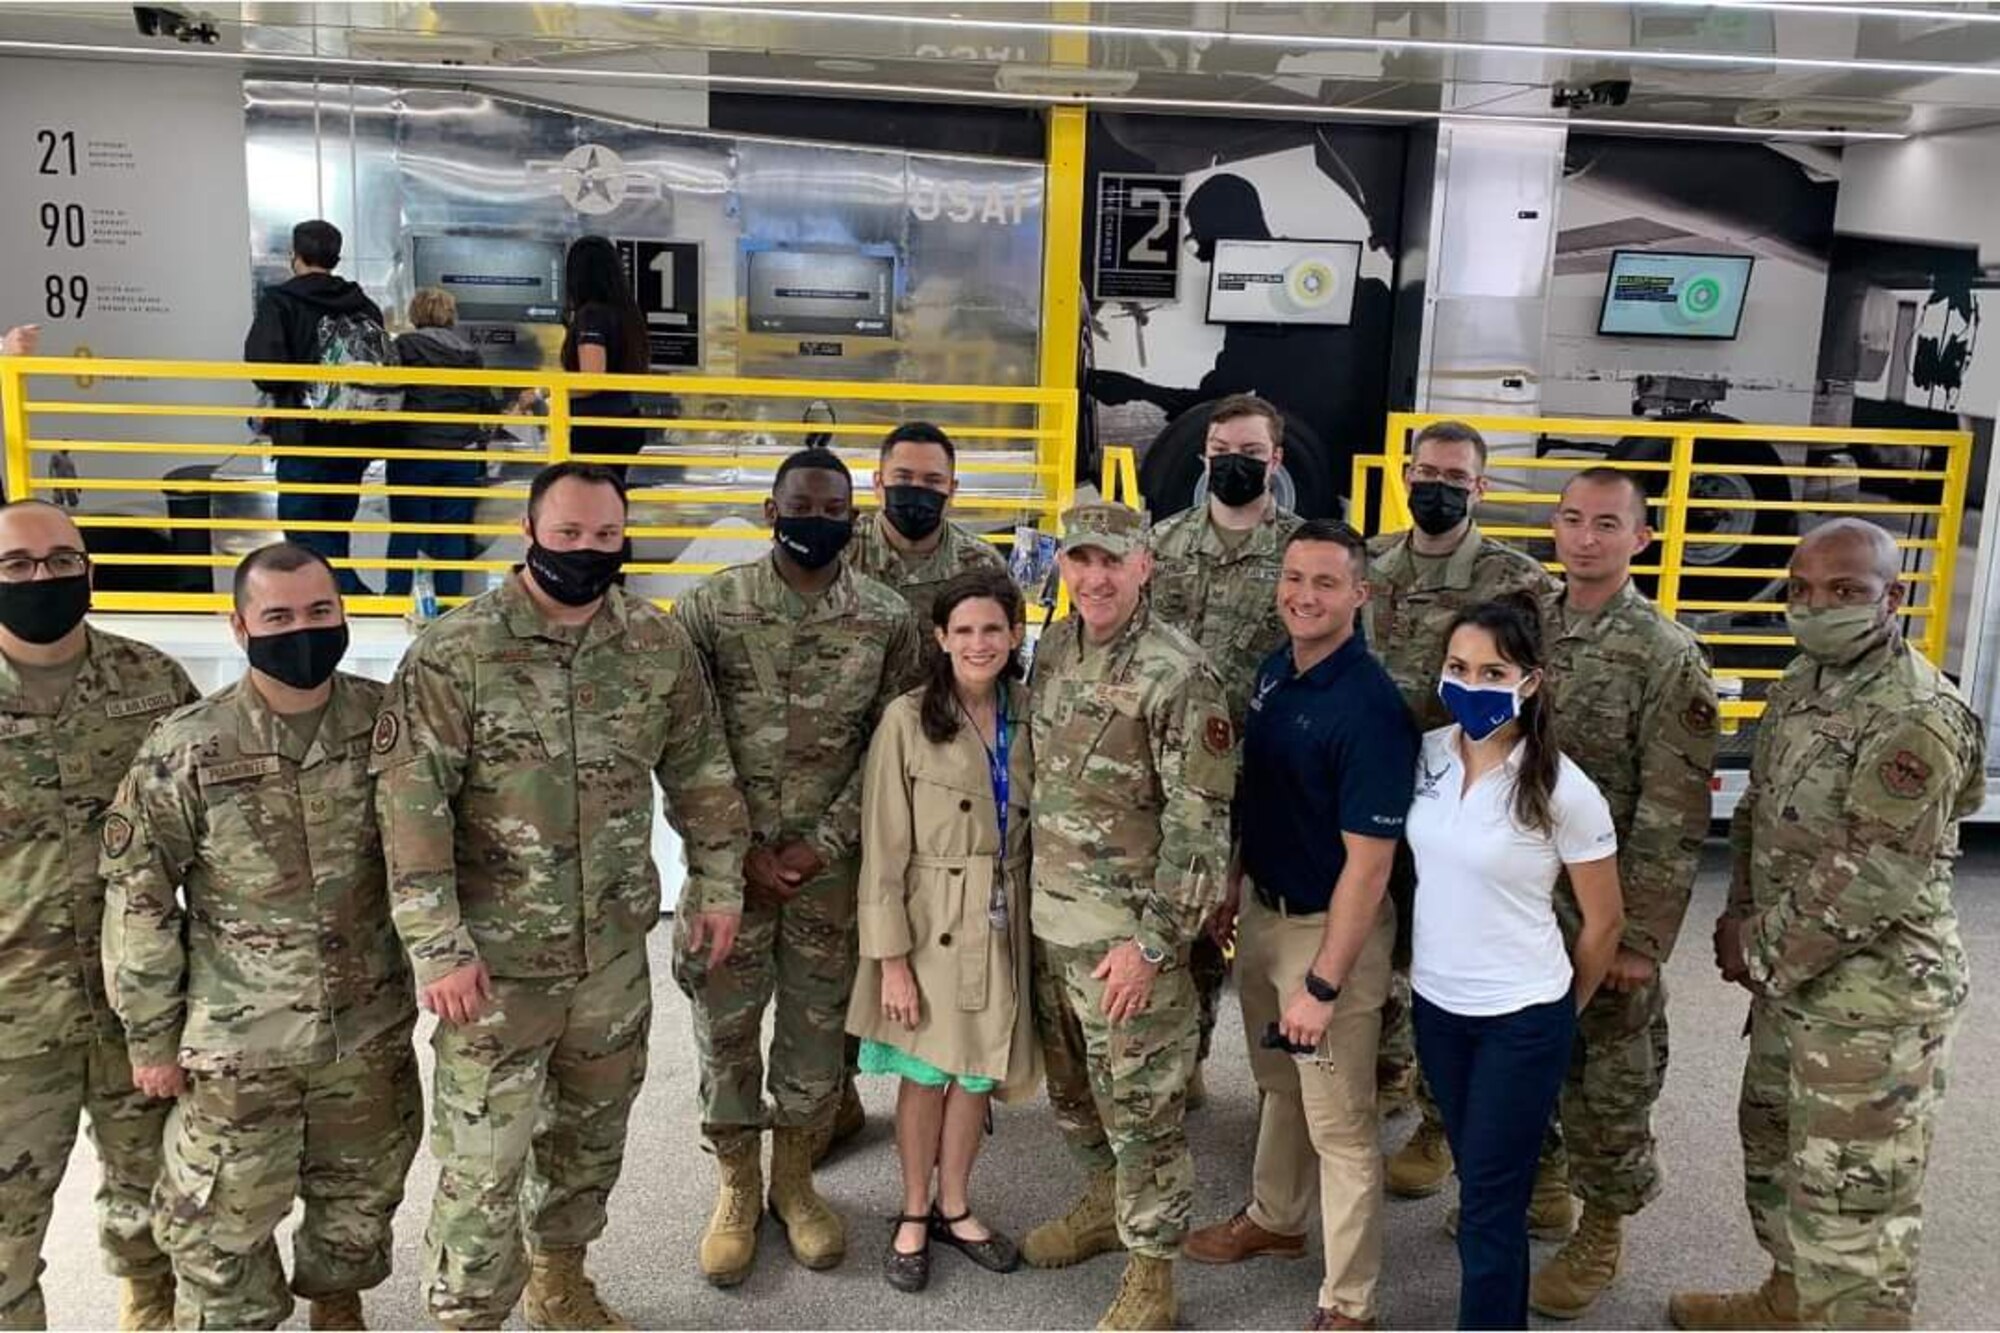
914,511
576,578
301,658
1438,506
812,541
43,610
1236,479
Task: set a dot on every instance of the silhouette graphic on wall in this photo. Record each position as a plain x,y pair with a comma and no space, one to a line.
1330,379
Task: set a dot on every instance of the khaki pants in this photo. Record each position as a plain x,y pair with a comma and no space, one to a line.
1318,1122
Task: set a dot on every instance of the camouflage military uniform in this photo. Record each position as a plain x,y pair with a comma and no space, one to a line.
515,764
61,1049
1222,592
1843,846
1413,599
1135,765
1635,709
278,984
918,577
802,685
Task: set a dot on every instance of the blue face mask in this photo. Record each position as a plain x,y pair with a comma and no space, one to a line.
1481,711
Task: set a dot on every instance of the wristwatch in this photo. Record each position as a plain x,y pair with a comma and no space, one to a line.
1154,957
1321,989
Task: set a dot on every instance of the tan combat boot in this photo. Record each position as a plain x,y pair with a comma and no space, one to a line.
847,1122
1197,1090
146,1302
818,1237
1420,1168
1569,1284
1145,1295
729,1242
342,1311
1088,1229
560,1294
1551,1208
1773,1305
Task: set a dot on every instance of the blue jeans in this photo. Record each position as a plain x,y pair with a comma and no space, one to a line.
334,545
426,509
1496,1080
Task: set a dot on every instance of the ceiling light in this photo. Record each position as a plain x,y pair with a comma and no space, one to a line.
1875,11
842,65
266,63
1929,69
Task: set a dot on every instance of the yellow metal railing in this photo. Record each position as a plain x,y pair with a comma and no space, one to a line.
1929,538
1017,453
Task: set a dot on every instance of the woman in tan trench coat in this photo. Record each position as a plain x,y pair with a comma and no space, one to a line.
941,997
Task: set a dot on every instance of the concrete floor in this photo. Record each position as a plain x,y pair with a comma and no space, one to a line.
1695,1235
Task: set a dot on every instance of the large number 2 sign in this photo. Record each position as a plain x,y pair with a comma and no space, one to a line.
1147,247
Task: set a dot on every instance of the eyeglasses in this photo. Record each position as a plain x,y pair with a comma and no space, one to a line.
60,564
1465,481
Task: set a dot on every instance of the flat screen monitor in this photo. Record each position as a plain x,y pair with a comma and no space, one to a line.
1283,282
832,292
495,279
1667,294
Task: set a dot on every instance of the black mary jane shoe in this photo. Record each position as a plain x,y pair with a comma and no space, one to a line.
995,1254
907,1272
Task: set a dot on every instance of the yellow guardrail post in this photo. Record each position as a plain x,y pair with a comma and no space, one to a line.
14,416
1062,290
1673,542
557,429
1957,470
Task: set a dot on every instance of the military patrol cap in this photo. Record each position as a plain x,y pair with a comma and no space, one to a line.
1113,528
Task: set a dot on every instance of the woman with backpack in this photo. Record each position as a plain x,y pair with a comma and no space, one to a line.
434,343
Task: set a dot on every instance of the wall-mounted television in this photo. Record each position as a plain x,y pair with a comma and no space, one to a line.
1671,294
495,279
1283,282
829,292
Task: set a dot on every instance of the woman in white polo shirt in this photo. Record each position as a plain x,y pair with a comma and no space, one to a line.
1499,814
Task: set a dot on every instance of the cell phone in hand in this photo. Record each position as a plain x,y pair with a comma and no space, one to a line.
1275,1040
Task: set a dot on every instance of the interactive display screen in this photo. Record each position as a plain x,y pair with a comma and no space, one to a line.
849,292
1283,282
496,279
1659,294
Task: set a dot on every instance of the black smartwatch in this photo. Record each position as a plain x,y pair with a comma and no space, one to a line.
1320,989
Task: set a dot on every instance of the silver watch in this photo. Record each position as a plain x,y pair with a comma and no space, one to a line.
1154,957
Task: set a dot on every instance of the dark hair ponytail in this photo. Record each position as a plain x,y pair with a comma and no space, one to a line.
939,711
1515,622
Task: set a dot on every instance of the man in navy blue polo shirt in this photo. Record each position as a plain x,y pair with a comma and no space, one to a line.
1329,758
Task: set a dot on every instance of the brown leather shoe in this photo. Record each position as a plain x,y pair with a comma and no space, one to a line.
1238,1239
1325,1318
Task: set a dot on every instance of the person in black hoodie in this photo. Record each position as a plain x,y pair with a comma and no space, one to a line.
435,344
283,331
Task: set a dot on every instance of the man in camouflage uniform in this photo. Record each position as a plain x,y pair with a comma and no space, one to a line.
910,545
74,705
1418,580
248,949
1634,707
1840,925
1215,578
805,654
515,763
1135,766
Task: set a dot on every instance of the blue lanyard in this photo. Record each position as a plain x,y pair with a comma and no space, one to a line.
996,772
996,769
